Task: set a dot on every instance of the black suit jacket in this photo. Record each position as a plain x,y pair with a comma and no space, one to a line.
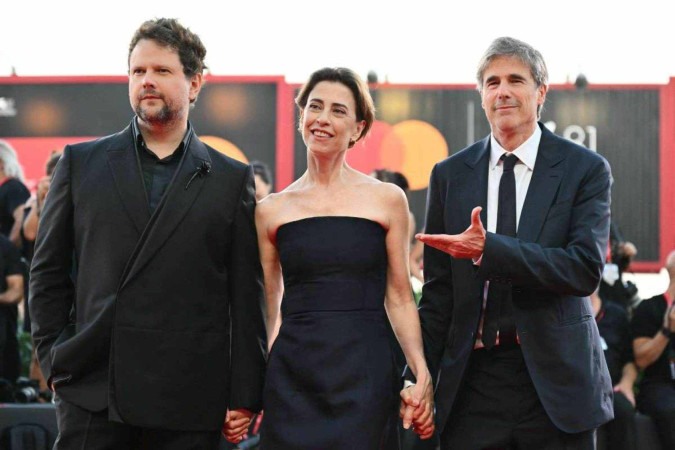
555,261
167,328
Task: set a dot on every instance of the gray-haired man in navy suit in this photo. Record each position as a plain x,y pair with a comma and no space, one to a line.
516,232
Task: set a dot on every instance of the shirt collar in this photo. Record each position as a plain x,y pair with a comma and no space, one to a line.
138,137
526,152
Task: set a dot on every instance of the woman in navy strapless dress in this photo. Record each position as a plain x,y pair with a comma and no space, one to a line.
333,247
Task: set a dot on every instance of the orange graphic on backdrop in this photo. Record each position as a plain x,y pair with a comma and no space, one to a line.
411,147
224,146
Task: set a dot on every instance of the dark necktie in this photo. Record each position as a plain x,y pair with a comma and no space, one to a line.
499,309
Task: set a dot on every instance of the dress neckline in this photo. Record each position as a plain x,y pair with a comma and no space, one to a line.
310,218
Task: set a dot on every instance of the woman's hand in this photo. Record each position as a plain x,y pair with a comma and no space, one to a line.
417,407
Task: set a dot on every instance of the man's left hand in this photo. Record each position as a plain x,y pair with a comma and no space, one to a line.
236,424
467,245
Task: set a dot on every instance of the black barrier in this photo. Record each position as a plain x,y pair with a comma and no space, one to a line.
27,426
646,435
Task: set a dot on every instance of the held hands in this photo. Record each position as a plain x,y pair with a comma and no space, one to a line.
417,408
466,245
236,424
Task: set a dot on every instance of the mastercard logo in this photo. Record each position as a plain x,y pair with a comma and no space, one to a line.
411,147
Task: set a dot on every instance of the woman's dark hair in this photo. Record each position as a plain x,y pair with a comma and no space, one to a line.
389,176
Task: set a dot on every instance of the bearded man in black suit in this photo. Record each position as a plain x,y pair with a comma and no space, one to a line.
146,291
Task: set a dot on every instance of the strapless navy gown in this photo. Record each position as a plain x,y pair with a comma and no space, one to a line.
331,381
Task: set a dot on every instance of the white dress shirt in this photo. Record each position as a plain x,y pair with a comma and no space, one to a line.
527,154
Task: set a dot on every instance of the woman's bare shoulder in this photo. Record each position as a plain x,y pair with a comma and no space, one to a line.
278,208
388,193
268,205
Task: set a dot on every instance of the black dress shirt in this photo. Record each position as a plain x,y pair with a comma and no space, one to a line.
158,173
647,320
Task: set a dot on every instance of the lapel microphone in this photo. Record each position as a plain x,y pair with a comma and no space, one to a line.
200,171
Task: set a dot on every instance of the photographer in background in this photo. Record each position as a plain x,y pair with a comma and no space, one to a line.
616,340
612,286
400,180
11,293
29,227
263,179
654,348
13,192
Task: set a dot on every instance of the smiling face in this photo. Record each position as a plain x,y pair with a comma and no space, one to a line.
510,96
329,119
159,92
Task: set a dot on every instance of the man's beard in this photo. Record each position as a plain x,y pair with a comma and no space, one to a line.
164,116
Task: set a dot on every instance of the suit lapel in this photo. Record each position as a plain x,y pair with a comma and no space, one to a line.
128,180
543,187
476,181
173,207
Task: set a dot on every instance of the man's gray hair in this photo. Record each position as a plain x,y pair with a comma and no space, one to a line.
11,162
508,46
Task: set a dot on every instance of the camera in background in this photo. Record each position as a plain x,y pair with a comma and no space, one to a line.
24,390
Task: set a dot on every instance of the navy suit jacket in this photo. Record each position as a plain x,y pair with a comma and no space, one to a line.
157,316
553,264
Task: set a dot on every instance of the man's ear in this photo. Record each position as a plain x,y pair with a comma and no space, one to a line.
541,94
195,86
